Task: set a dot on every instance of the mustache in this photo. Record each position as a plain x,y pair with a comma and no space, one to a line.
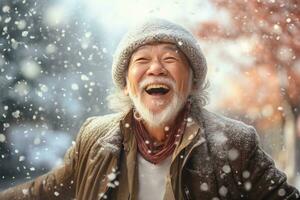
154,80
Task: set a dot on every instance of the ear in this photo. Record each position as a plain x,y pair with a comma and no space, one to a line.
125,90
126,87
194,86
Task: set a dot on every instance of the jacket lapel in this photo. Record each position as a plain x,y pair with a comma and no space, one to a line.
192,138
130,148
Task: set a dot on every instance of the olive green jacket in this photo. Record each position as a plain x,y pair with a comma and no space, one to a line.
217,158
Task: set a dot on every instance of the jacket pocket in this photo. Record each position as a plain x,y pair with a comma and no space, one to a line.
187,194
191,184
198,186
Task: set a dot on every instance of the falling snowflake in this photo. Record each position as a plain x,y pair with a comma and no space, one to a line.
56,193
247,186
226,169
167,128
223,191
233,154
21,158
246,174
6,9
25,191
112,176
2,137
204,187
74,86
16,114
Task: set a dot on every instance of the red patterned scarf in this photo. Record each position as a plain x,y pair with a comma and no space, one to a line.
154,151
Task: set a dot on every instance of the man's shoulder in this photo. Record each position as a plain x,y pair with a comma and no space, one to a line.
99,126
221,130
104,121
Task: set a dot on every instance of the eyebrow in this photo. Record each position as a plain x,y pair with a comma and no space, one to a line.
171,47
141,47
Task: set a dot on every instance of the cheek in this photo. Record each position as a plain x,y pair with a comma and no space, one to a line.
182,79
180,75
135,75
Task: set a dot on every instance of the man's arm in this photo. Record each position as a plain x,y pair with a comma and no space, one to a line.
262,180
59,183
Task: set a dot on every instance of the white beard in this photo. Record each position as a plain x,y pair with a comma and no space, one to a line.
158,119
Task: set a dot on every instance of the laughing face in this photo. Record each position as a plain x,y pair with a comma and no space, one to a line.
158,81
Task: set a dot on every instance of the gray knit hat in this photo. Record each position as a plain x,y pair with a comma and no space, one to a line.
158,30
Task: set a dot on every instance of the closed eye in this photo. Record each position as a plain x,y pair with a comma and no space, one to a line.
170,59
141,60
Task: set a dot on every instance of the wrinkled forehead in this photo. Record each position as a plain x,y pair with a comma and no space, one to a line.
165,46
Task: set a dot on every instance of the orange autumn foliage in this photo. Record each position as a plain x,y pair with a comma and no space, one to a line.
274,76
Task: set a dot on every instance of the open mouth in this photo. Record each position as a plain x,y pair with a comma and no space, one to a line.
157,89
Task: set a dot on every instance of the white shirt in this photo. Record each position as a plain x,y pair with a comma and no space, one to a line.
152,178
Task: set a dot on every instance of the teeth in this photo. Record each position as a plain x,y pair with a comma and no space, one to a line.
154,86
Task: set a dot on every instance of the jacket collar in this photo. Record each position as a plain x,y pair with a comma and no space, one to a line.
193,130
189,138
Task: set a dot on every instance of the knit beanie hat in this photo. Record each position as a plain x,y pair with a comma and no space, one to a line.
158,30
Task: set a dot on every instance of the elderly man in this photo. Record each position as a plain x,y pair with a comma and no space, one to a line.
162,144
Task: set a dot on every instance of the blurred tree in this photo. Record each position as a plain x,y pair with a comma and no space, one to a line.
50,64
268,93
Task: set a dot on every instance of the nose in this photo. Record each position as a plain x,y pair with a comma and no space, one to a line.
156,68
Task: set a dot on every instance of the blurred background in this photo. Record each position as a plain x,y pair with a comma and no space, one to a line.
55,71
